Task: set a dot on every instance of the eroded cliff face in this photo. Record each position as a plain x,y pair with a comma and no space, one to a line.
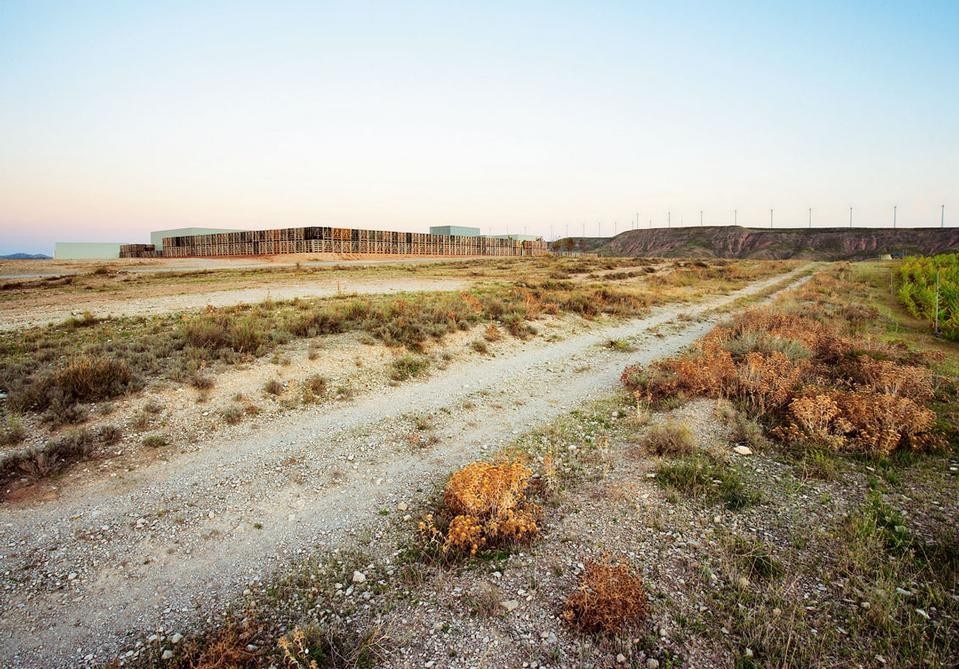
737,242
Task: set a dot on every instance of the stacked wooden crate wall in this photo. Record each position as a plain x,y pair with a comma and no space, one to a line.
138,251
344,241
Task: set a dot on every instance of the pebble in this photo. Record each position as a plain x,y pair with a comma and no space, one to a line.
402,506
652,663
359,577
743,450
176,638
509,604
167,655
620,659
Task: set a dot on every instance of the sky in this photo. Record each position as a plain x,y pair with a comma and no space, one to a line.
117,118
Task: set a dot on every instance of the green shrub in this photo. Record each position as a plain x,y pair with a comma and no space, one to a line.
408,366
155,441
702,477
669,438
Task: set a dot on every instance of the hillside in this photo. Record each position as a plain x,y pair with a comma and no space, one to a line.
739,242
25,256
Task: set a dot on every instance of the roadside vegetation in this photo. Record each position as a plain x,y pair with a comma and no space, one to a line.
51,369
929,289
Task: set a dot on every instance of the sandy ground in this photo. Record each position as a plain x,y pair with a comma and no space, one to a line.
34,269
157,546
54,310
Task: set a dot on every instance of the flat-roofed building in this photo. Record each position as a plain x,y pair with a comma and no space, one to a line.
454,231
86,250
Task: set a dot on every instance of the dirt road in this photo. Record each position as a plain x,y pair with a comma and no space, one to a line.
160,546
41,313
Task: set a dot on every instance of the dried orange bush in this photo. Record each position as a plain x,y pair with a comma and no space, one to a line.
489,506
609,598
806,379
883,422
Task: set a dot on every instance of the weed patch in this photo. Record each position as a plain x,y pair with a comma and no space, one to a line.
610,598
705,478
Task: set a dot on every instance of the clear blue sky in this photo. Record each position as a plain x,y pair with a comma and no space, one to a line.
119,118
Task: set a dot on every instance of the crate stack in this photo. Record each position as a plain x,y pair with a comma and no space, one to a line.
344,241
138,251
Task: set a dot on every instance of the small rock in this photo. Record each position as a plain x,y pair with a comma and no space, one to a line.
430,664
620,659
652,663
359,577
71,576
176,638
777,612
509,604
402,506
167,655
743,450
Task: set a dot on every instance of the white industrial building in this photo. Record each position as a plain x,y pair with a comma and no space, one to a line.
86,250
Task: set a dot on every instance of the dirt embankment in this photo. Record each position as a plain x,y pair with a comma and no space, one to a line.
739,242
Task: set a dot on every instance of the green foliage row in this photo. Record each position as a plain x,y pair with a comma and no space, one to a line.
921,278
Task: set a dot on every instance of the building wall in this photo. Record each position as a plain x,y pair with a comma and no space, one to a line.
156,237
454,231
86,251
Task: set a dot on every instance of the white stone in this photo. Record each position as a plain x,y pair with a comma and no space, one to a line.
359,577
743,450
167,655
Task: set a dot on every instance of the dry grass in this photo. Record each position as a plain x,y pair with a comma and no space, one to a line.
669,438
486,505
610,598
54,456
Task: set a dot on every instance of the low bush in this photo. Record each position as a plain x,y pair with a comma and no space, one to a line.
232,414
669,438
713,481
202,381
314,388
155,441
408,366
56,455
484,505
13,431
273,387
314,646
610,598
83,379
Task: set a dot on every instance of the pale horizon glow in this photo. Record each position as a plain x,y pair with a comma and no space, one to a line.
121,118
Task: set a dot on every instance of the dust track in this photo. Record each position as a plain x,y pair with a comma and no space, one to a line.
19,316
156,546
